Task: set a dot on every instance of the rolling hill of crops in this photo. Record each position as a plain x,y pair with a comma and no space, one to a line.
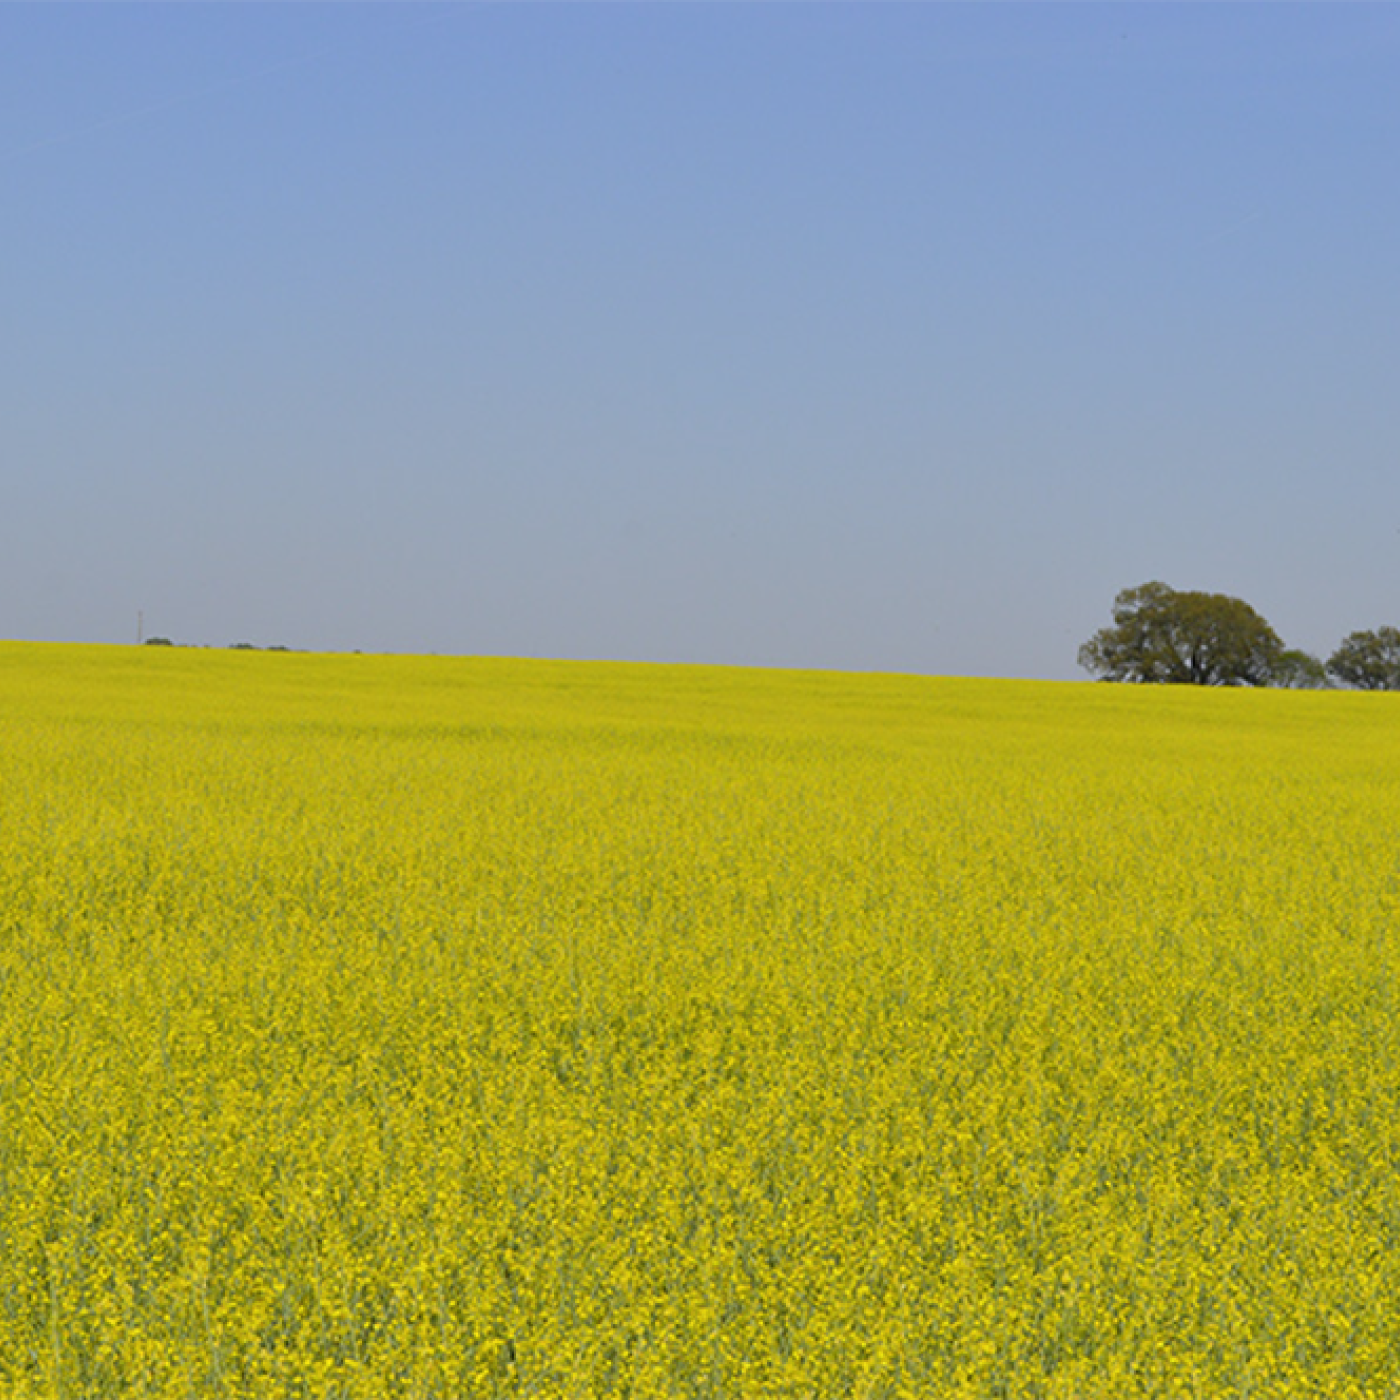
377,1026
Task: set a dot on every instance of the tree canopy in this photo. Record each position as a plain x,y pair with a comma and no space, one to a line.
1299,670
1368,660
1162,636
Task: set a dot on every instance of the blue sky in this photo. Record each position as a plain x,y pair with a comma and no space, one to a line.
893,337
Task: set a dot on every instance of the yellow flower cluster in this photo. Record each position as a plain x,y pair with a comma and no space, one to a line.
408,1027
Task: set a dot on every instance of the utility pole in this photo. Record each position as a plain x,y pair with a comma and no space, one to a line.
140,627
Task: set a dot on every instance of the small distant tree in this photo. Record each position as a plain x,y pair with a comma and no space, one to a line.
1164,637
159,642
1368,660
1299,670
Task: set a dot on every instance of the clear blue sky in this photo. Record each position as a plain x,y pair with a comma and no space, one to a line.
889,337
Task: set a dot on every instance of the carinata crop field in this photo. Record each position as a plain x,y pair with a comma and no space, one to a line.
415,1027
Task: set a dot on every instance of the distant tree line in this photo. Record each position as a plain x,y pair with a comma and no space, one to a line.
1163,636
233,646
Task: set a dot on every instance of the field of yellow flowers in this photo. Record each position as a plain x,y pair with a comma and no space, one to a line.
413,1027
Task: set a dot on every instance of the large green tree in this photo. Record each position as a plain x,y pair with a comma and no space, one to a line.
1165,637
1368,660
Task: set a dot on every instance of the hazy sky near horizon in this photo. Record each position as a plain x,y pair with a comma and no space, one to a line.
864,336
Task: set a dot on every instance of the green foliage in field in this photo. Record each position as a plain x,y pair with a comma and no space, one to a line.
408,1027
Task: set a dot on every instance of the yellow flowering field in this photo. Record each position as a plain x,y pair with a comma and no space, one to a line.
377,1027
